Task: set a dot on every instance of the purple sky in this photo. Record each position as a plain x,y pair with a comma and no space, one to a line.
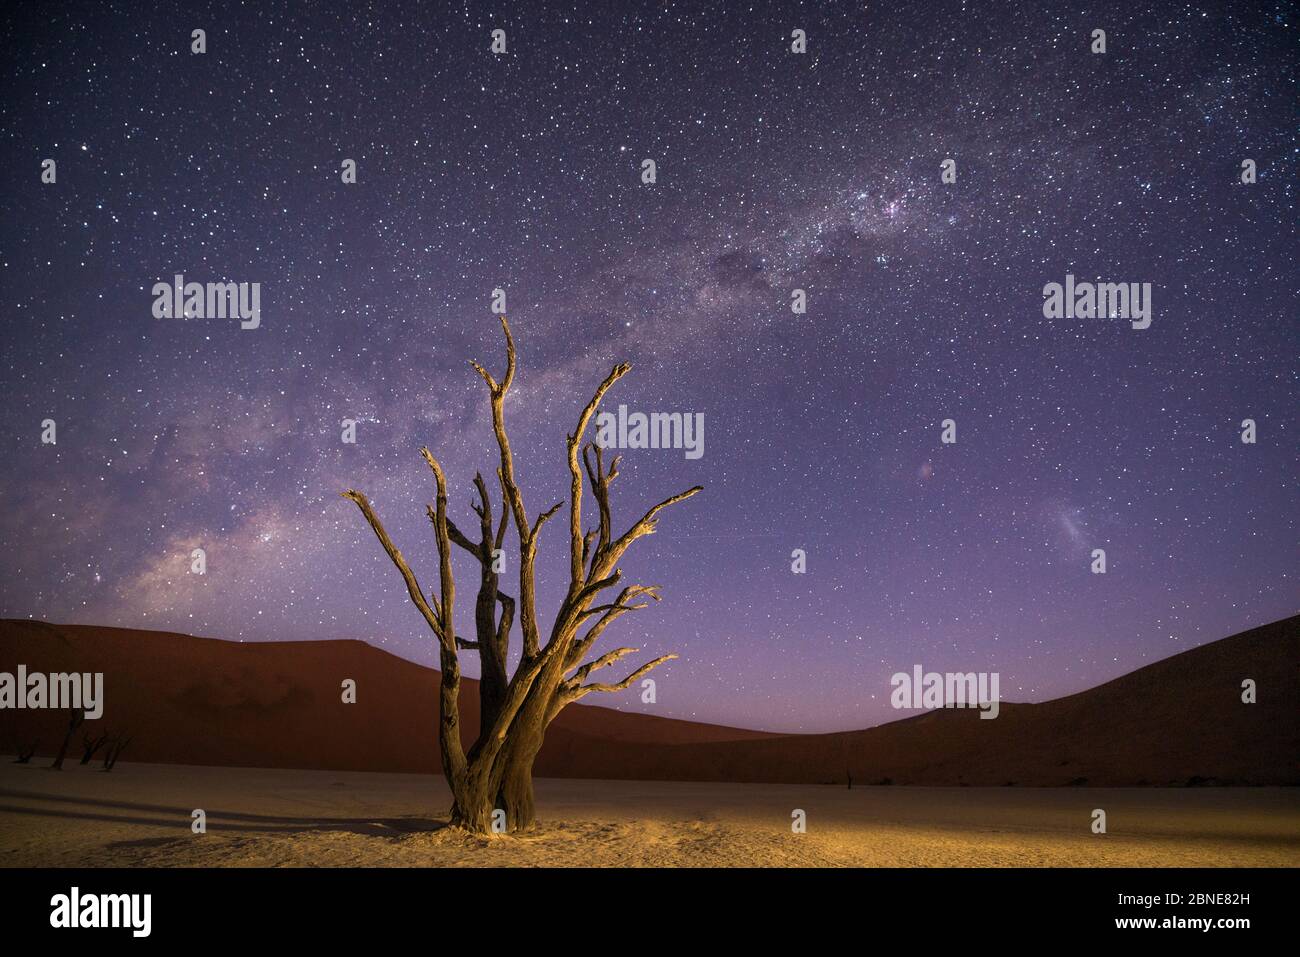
776,171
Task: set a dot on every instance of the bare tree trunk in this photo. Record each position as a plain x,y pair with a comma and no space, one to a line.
473,810
515,791
492,680
493,635
74,723
516,794
505,802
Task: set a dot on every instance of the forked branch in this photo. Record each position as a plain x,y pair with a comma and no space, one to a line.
626,682
576,576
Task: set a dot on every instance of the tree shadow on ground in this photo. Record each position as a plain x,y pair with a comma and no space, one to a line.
38,804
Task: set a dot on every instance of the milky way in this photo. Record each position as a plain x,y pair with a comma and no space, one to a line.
776,171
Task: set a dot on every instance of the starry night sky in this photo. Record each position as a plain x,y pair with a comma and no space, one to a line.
776,171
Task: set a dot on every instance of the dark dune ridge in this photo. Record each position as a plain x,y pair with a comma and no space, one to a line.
204,701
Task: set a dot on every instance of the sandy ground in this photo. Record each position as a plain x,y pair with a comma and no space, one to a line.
140,814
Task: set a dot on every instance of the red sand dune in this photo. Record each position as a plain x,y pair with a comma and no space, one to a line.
203,701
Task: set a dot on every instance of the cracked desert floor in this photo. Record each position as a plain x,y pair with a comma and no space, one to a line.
140,815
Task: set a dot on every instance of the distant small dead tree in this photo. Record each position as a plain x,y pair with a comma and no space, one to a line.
90,744
496,773
75,717
25,752
116,745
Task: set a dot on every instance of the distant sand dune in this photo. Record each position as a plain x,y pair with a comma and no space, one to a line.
202,701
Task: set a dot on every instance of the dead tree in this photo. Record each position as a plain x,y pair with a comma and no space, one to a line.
115,748
496,773
25,752
76,717
90,744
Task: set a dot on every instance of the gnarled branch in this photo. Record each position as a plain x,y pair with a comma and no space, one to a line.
645,526
608,658
626,682
619,608
571,690
576,577
600,481
497,393
432,614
